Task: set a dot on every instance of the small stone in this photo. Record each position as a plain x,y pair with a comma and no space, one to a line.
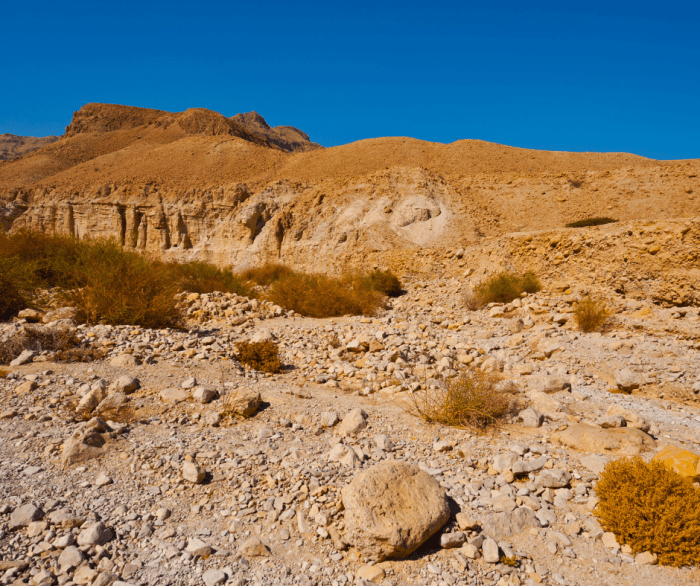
470,551
490,551
352,423
96,534
193,473
609,540
466,523
173,395
627,380
189,383
370,573
71,557
125,384
198,547
555,478
24,515
329,418
608,421
531,418
23,358
254,547
205,394
646,559
213,577
103,480
451,540
442,446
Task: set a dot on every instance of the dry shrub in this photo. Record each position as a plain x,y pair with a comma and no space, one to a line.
384,282
505,287
261,356
38,339
201,277
591,314
472,301
267,274
591,222
651,508
123,287
11,300
473,400
320,296
4,372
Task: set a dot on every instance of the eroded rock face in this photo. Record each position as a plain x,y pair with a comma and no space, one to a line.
391,509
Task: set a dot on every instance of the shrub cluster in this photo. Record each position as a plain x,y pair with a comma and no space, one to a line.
591,314
11,299
473,400
591,222
505,287
321,296
651,508
201,277
261,356
267,274
384,282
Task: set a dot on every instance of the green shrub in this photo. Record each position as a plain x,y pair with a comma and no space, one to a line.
473,400
384,282
505,287
591,314
591,222
651,508
267,274
261,356
320,296
11,300
201,277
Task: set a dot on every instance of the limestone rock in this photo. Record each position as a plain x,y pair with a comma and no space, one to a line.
490,551
245,403
627,380
96,534
111,402
555,478
531,418
205,394
86,442
125,360
684,462
623,441
24,515
352,423
25,357
392,508
630,418
254,547
193,473
126,384
173,395
505,524
71,557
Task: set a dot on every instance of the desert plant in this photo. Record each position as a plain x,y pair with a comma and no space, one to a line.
320,296
575,182
11,299
384,282
267,274
473,400
590,314
261,356
4,372
201,277
472,301
591,222
38,339
505,287
651,508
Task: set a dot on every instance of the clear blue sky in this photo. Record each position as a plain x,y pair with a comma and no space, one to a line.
579,76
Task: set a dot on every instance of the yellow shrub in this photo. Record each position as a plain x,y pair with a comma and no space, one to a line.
591,314
651,508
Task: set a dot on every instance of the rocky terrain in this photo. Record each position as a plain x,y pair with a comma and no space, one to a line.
13,146
132,469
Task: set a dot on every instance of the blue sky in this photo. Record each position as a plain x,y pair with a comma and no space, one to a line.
593,76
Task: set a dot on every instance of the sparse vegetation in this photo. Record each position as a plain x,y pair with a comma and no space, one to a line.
505,287
261,356
574,182
472,301
11,300
201,277
384,282
267,274
590,314
321,296
473,400
651,508
591,222
62,342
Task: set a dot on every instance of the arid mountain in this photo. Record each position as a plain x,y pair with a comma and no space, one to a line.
196,184
13,146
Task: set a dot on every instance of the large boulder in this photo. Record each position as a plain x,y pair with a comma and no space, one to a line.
621,441
391,509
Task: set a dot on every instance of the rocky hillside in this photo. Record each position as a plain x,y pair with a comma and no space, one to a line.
13,146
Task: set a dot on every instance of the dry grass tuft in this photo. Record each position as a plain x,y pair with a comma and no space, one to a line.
261,356
4,372
62,342
473,400
505,287
267,274
201,277
320,296
651,508
472,301
590,314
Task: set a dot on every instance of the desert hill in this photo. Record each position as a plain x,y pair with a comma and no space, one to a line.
13,146
235,191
